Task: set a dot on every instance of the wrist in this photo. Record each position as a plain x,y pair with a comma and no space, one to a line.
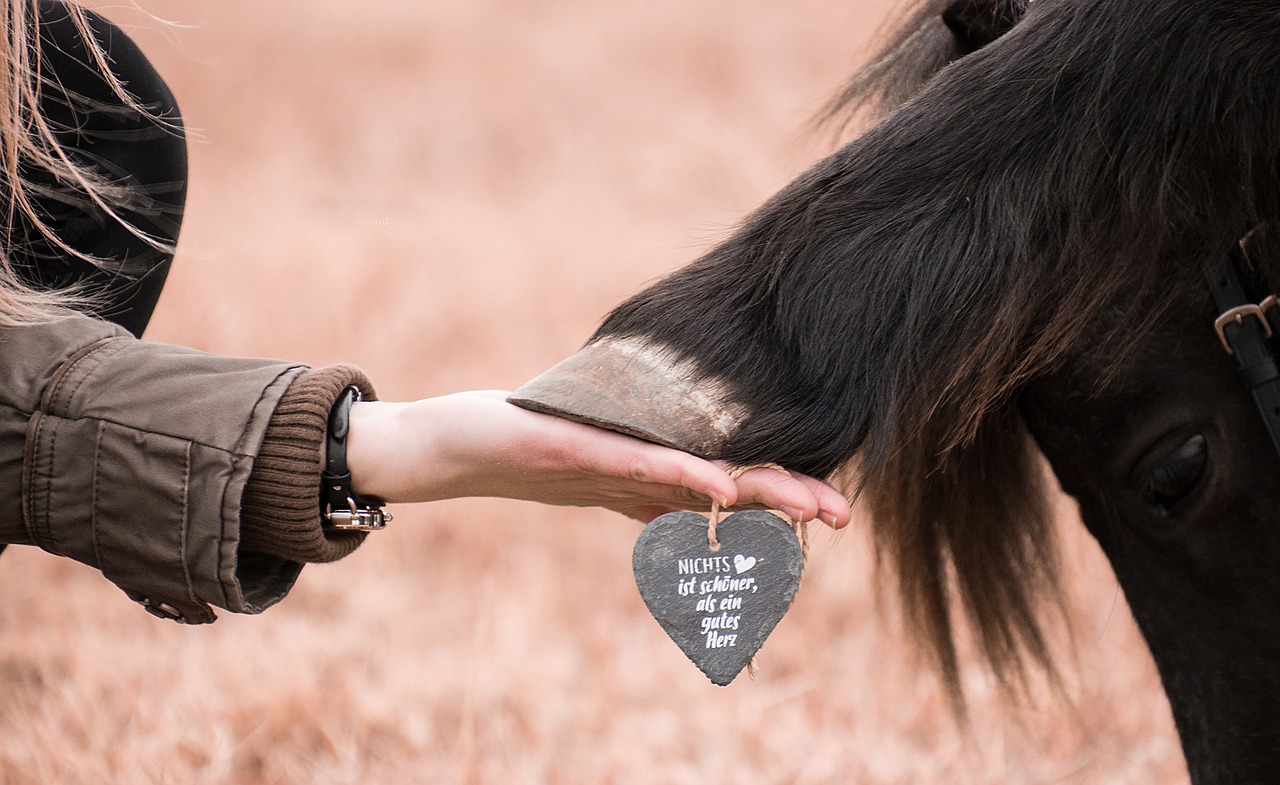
378,447
426,450
364,436
341,506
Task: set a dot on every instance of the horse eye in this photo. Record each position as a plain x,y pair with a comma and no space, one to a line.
1176,473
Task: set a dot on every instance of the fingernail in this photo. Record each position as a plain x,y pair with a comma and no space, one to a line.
793,513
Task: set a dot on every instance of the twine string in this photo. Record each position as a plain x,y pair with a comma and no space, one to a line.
801,529
712,523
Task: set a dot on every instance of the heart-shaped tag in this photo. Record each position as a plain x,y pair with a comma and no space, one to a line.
718,606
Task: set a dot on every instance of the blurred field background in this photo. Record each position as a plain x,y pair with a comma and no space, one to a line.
451,194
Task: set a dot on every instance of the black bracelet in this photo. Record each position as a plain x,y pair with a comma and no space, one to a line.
340,507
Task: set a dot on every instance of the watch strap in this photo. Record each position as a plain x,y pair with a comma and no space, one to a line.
340,507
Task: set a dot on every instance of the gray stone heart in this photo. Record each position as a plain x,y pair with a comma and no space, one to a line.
718,606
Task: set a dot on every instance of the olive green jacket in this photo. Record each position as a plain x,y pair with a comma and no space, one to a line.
190,480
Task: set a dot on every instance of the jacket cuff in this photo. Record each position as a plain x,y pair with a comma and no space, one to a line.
280,506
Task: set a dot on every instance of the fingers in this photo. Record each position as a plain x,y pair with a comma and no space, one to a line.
802,498
833,506
703,478
672,475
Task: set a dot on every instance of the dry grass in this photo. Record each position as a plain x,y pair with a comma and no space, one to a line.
451,194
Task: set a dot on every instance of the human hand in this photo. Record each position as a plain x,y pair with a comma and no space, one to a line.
477,444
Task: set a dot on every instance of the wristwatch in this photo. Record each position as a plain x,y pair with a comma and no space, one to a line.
341,509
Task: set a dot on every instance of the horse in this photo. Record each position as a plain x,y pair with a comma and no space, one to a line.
1009,267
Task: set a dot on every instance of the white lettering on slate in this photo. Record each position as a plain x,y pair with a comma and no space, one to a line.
709,564
718,596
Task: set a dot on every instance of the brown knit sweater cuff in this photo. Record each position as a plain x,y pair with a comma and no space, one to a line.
280,508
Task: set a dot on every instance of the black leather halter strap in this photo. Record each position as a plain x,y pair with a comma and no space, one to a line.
1246,308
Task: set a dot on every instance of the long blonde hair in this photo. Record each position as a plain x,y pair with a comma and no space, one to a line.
27,140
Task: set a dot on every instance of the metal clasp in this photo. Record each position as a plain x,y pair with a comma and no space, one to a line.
1237,315
162,610
357,519
1268,302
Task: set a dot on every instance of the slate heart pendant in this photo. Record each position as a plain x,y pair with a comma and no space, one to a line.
718,606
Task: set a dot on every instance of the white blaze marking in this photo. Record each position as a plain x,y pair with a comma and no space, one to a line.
707,396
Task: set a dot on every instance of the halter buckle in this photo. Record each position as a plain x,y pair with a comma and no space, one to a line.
1237,315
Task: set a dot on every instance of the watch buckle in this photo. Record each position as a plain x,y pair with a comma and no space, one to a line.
357,519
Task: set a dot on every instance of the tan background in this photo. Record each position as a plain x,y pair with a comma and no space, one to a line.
451,193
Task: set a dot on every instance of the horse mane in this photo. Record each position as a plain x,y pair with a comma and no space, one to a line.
962,515
888,310
929,37
960,503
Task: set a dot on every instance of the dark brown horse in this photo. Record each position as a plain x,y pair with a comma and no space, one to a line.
1011,262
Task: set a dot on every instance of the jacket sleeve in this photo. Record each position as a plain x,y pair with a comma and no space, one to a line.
188,479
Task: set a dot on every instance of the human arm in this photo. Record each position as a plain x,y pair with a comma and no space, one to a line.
476,444
192,480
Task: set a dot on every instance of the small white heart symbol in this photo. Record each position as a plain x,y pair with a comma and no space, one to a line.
743,563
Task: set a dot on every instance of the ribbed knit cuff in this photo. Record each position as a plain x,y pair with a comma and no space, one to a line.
280,508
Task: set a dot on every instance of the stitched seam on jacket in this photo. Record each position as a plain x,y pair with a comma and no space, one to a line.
46,401
238,450
133,428
98,360
30,453
223,536
186,521
28,469
293,371
93,507
47,526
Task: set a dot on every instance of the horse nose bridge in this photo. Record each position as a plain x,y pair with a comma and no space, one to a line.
639,388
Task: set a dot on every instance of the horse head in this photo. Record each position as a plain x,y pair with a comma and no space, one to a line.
1011,263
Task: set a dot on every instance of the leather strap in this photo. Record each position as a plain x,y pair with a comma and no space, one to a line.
1243,301
340,507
